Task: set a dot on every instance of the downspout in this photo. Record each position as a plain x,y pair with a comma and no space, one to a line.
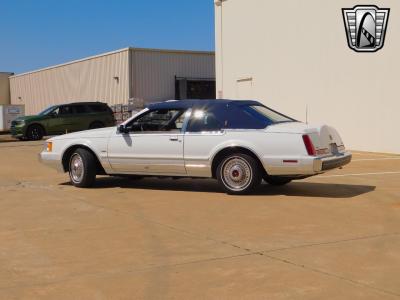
131,75
220,92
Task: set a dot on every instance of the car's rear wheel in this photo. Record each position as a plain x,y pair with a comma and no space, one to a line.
96,125
34,133
82,168
239,174
277,180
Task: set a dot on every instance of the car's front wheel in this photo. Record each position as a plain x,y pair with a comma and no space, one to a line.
239,174
34,133
82,168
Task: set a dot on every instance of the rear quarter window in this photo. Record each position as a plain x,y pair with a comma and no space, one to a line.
203,120
81,109
239,118
99,108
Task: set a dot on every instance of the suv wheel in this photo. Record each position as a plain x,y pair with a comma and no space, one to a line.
34,133
96,125
277,180
239,174
82,168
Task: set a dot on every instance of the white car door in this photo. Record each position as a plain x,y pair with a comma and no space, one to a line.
154,144
204,132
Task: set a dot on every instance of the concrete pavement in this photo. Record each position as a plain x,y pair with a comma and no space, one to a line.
334,236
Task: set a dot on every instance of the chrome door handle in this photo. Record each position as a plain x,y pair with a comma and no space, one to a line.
173,138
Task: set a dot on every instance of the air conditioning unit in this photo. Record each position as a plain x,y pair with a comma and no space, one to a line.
8,113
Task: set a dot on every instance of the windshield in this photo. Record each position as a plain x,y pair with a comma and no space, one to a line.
271,115
47,110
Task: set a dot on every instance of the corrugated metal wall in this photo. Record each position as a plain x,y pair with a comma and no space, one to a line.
142,73
153,71
91,79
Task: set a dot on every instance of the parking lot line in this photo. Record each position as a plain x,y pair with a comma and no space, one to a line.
371,159
374,154
360,174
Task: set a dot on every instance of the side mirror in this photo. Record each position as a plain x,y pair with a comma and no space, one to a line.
53,114
123,129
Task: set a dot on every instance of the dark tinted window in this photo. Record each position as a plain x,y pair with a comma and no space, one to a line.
48,110
65,110
240,118
81,109
98,107
253,117
158,120
231,116
265,114
205,120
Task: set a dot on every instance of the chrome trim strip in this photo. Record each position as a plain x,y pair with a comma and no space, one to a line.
143,157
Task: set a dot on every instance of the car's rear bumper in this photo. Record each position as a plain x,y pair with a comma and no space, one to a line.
305,165
332,162
51,160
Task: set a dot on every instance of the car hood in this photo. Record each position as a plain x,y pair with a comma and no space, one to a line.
93,133
28,118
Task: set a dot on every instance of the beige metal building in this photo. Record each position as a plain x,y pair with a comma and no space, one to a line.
115,77
5,88
293,54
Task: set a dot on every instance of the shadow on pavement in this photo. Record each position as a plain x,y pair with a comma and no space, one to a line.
8,140
296,189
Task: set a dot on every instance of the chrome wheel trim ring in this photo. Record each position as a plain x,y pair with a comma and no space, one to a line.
76,168
236,173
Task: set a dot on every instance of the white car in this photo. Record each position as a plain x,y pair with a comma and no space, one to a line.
237,142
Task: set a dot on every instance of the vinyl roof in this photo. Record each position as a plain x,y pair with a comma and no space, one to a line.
179,104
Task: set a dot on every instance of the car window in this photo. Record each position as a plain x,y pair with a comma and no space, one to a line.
48,110
239,118
158,120
65,110
261,112
81,109
204,120
97,108
179,121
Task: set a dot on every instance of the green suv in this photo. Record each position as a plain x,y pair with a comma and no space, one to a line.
65,118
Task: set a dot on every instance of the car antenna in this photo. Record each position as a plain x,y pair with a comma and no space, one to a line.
306,113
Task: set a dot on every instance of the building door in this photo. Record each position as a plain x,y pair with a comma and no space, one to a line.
194,88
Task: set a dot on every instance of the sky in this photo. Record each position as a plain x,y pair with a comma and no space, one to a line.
40,33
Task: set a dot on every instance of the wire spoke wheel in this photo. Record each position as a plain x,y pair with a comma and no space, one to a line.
76,168
236,173
83,166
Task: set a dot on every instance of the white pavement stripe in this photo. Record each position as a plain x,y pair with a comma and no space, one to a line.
361,174
373,154
383,158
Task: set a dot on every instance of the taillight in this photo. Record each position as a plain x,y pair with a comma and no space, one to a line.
309,145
